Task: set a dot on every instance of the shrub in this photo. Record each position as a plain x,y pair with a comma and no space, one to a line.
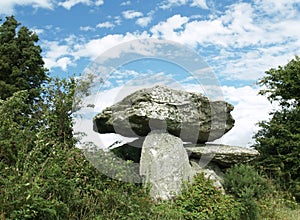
248,186
201,200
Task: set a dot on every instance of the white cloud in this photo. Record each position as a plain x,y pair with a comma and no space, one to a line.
251,65
68,4
144,21
7,6
247,41
169,29
117,20
99,2
174,3
95,47
199,3
73,48
279,8
235,28
56,55
171,3
86,28
130,14
125,3
63,63
244,42
106,24
38,31
249,109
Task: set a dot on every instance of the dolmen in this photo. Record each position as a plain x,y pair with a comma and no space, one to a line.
172,130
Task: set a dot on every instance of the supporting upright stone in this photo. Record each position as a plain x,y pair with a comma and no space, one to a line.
164,164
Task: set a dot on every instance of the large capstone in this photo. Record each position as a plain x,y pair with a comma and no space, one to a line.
164,165
190,116
223,155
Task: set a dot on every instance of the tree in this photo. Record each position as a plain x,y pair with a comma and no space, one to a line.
278,140
21,63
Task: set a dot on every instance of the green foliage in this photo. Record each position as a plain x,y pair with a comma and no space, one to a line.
248,186
279,206
16,128
278,140
21,63
283,84
201,200
43,176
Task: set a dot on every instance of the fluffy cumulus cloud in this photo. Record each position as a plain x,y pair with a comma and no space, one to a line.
7,6
60,54
68,4
170,29
193,3
247,37
144,21
199,3
131,14
106,24
57,55
125,3
99,2
93,48
235,28
249,109
86,28
171,3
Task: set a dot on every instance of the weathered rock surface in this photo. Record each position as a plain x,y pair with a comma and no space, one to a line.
190,116
208,174
223,155
164,164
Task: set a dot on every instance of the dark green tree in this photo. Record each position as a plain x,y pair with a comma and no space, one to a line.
21,63
278,140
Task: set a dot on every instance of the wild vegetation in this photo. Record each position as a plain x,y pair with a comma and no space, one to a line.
278,141
43,176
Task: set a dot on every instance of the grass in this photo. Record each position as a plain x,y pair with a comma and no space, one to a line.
278,208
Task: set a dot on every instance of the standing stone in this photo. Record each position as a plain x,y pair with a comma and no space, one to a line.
164,164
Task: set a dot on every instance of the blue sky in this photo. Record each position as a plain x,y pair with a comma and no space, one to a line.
239,40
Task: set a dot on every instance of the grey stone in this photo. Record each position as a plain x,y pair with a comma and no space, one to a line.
209,173
190,116
164,164
223,155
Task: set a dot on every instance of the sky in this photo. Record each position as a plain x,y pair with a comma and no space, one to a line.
236,40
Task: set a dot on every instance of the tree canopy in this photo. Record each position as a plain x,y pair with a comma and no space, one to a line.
278,140
21,63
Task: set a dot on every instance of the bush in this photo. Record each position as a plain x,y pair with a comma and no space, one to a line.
248,186
201,200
